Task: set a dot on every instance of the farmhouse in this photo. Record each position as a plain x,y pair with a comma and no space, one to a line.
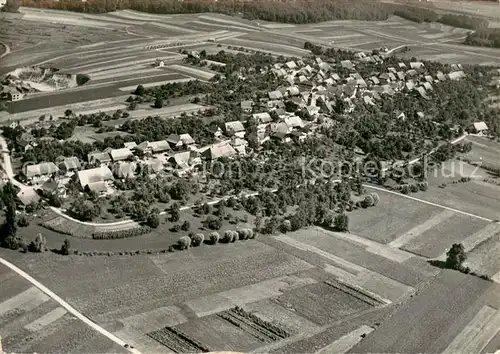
247,106
235,128
124,170
154,147
121,154
479,128
101,158
184,162
70,164
43,169
95,178
11,94
180,141
54,187
217,151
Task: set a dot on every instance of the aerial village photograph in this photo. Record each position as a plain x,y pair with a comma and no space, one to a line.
250,176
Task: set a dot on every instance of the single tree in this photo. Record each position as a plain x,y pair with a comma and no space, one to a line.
455,257
158,102
341,223
139,91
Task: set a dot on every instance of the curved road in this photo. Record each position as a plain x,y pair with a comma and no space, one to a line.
67,306
7,49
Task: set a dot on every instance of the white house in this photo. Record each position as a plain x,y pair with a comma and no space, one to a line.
479,128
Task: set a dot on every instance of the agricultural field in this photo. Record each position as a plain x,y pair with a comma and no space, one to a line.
32,322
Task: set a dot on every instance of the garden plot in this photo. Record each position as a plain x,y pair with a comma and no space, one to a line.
234,329
434,241
393,216
283,317
240,296
220,334
321,303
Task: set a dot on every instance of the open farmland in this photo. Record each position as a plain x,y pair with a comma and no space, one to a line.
431,321
31,322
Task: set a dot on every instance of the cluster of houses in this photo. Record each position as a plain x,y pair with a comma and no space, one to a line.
313,89
177,154
320,81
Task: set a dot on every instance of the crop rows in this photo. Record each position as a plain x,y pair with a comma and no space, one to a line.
253,325
116,234
178,341
356,292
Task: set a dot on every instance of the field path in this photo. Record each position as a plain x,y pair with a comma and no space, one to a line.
67,306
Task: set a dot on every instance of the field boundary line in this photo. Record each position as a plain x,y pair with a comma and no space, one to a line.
429,203
67,306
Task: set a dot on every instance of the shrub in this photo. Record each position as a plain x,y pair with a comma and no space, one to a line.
176,228
243,234
214,237
38,245
65,248
184,242
228,236
185,226
367,202
213,222
23,221
197,240
414,188
153,220
286,226
341,222
82,79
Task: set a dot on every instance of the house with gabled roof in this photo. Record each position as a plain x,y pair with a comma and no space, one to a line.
275,95
95,178
70,164
235,128
178,141
216,151
121,154
99,158
247,106
153,147
40,171
347,64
